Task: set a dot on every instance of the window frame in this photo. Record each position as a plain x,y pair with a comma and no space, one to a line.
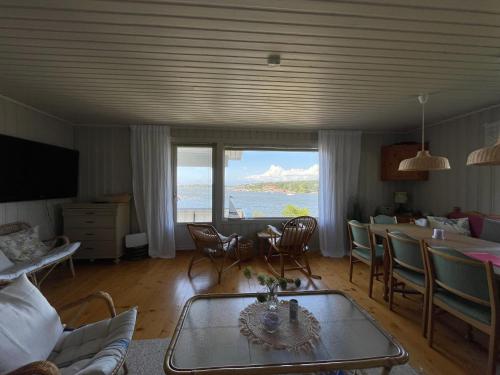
255,148
175,147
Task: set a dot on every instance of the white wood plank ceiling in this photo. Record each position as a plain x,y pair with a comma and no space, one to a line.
357,64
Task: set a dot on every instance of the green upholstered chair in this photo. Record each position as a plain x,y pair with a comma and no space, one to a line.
465,288
364,249
383,219
406,268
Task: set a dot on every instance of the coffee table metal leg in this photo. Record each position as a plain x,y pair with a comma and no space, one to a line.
386,370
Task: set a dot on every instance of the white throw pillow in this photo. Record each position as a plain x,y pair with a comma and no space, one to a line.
23,246
421,222
460,226
4,262
29,325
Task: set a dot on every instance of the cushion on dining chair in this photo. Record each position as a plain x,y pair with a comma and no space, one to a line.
491,230
473,310
29,326
360,235
366,254
414,277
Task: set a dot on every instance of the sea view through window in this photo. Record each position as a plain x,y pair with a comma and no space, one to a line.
270,183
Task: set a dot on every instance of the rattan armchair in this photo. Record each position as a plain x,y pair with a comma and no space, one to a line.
292,244
49,368
212,245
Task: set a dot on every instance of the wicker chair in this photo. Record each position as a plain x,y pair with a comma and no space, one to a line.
212,245
109,360
61,250
291,243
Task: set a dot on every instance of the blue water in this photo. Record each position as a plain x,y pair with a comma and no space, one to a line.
266,204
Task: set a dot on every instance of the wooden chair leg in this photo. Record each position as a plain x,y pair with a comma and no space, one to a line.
492,354
350,268
425,312
391,291
370,287
430,323
71,266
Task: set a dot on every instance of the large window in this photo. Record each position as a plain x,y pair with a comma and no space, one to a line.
270,183
194,184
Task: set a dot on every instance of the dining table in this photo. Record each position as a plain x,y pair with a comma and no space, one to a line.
460,242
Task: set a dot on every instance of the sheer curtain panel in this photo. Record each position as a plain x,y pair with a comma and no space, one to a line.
152,186
339,156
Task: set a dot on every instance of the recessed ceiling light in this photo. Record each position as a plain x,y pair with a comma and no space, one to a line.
273,60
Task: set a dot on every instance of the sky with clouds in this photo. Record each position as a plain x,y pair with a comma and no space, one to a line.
260,166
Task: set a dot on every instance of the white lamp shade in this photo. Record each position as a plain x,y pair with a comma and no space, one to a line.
485,156
424,161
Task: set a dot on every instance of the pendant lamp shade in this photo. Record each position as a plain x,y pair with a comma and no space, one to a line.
424,161
485,156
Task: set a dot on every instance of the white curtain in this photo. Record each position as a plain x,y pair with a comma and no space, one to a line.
339,156
152,185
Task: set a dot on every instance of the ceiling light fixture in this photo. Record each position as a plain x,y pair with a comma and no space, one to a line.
486,155
424,161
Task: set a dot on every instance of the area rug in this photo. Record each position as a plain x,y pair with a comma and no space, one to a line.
146,357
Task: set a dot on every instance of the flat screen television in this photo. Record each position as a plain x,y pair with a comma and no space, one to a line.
33,171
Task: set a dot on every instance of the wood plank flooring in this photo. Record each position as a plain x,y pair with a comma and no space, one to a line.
160,287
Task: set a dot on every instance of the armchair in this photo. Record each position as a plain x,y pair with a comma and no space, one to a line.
292,243
96,348
212,245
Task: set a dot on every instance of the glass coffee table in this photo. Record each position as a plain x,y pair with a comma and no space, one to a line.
207,339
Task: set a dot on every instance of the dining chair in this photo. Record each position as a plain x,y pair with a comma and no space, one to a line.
212,245
363,248
292,244
407,267
465,288
383,219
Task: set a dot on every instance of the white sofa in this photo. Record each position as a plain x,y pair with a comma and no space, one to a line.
61,250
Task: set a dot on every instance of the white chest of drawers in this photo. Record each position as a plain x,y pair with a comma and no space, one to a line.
100,227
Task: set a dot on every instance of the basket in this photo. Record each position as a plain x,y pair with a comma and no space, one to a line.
246,249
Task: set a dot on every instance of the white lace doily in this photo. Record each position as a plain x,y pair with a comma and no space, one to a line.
292,336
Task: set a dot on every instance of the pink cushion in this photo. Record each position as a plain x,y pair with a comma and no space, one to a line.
475,222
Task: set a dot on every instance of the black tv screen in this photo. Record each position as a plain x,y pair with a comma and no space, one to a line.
32,170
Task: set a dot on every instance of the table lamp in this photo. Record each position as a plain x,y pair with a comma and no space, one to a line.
400,198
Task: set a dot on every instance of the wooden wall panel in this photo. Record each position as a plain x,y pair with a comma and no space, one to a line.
20,121
471,188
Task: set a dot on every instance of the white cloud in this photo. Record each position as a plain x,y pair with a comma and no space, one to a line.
276,173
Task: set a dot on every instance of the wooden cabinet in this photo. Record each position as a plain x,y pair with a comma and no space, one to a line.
391,157
100,227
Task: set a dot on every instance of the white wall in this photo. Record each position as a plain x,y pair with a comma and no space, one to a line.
20,121
471,188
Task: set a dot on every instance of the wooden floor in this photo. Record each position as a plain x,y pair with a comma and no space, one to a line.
160,288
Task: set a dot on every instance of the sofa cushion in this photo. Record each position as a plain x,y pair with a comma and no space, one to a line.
29,327
475,221
460,226
5,263
23,246
96,348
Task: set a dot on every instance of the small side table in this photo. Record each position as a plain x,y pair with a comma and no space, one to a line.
263,238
